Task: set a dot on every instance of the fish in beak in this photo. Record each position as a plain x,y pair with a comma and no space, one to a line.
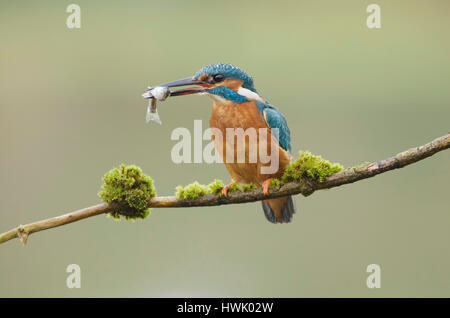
161,92
180,92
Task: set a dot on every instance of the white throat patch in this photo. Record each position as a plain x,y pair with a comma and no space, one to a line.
249,94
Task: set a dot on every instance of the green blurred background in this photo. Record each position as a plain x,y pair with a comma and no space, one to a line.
71,109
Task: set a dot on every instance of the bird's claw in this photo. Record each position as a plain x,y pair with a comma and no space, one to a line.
225,189
265,186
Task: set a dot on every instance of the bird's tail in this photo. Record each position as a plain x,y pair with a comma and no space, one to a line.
280,210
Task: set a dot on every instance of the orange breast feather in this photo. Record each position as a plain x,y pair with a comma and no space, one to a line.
244,116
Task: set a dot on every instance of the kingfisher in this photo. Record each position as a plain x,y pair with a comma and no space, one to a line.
238,105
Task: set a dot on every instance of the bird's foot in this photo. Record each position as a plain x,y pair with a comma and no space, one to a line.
265,186
225,189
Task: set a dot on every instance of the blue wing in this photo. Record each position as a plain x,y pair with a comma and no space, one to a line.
275,119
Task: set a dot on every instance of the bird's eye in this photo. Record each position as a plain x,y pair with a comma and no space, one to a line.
218,78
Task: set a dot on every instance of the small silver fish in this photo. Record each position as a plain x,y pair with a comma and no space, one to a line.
159,93
152,112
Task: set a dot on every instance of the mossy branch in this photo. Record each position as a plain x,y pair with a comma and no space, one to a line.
305,186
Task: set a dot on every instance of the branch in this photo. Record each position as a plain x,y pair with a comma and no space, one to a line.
306,188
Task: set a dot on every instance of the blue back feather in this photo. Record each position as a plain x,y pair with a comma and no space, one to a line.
275,119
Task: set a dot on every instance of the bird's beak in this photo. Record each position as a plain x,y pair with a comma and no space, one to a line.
184,82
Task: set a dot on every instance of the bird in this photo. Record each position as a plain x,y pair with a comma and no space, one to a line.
238,105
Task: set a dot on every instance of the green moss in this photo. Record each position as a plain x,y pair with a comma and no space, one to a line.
248,187
215,187
234,187
196,190
131,189
311,166
274,183
179,192
192,191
